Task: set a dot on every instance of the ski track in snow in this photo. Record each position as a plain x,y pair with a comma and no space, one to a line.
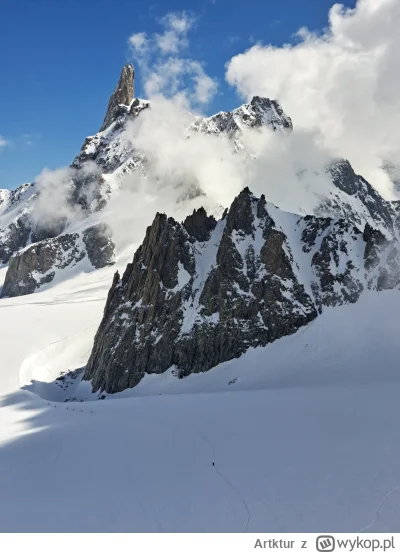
155,517
220,474
377,516
229,483
58,454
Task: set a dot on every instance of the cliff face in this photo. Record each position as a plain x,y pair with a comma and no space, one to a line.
122,95
199,293
39,263
204,291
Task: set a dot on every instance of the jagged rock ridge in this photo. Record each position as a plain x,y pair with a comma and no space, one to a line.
260,112
38,264
204,291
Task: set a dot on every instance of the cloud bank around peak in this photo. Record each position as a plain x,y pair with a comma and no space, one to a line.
343,83
165,69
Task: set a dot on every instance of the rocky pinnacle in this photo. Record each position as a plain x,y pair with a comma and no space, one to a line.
123,94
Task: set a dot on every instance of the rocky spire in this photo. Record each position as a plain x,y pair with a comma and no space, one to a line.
199,225
123,94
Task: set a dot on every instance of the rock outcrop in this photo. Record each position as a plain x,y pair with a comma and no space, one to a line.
121,97
204,291
356,187
381,259
39,263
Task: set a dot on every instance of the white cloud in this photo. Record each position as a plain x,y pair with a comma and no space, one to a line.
167,77
344,83
55,194
181,77
204,86
3,142
165,70
179,23
139,43
55,188
178,166
169,42
174,38
289,168
178,163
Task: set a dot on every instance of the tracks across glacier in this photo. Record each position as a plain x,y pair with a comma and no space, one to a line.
221,475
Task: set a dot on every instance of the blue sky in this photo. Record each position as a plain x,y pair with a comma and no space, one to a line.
60,60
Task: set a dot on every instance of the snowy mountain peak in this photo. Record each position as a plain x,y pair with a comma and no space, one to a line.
112,157
269,112
260,112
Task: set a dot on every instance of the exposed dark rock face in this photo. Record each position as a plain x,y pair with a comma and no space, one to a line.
314,227
14,237
381,260
99,245
112,149
101,154
38,264
16,232
199,225
122,95
195,303
23,228
339,282
268,112
376,242
346,180
203,292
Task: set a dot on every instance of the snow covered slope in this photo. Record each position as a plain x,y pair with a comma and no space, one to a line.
15,227
303,432
259,113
